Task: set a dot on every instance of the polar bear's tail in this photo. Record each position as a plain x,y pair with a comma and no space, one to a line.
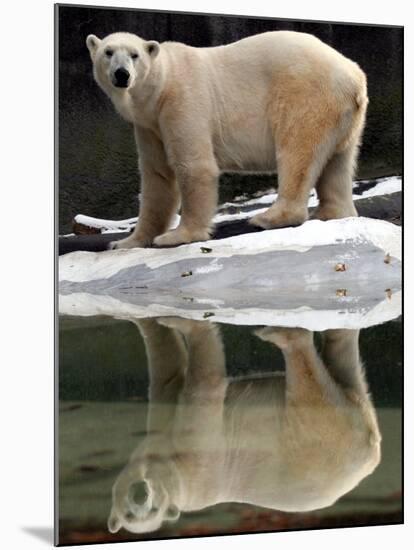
361,97
355,122
361,101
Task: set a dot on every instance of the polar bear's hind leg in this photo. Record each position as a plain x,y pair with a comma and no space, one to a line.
300,160
334,187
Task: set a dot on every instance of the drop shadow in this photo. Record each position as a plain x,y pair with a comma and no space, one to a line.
43,533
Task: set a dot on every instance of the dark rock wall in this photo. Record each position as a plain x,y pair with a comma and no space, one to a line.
97,158
105,359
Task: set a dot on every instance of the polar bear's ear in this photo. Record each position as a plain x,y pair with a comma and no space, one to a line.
152,48
92,43
173,513
114,525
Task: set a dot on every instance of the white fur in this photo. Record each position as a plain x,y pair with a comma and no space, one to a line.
279,99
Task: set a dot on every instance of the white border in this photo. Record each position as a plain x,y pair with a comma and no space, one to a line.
27,183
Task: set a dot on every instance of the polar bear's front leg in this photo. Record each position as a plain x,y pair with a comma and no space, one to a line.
159,203
198,182
160,197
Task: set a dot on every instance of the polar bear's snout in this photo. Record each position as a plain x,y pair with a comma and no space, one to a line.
121,78
121,69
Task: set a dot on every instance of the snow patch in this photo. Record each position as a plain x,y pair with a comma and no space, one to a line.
383,186
118,226
210,268
84,266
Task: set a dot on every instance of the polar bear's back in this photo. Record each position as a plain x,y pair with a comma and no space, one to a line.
260,63
273,51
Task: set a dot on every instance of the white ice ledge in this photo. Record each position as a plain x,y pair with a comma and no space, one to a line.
85,266
341,317
285,277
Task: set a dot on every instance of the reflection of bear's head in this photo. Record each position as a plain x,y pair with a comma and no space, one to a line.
121,60
142,496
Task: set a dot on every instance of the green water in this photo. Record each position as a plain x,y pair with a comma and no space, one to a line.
233,430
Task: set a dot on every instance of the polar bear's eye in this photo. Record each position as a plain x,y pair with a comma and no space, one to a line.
134,56
109,53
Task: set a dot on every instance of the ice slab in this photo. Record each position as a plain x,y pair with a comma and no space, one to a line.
336,274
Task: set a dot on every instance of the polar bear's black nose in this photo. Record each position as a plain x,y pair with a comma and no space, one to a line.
121,78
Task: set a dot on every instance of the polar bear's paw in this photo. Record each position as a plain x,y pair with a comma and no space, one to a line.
285,338
278,216
129,242
181,235
185,326
334,212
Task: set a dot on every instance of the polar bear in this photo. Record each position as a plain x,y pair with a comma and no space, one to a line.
279,100
294,443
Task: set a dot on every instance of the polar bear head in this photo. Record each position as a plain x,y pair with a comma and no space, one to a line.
121,60
144,496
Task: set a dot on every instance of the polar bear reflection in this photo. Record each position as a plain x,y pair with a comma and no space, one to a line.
293,443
